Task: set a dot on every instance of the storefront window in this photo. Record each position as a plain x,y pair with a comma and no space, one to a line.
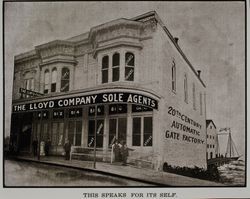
99,133
116,67
65,78
105,69
136,139
129,66
147,131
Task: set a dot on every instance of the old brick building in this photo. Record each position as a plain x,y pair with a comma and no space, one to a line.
126,79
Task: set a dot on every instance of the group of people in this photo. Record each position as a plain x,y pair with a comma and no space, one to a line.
119,152
45,148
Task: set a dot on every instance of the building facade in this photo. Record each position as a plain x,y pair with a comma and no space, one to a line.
126,79
212,140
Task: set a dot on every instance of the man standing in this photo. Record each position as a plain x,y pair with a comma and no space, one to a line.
67,148
34,145
124,153
47,147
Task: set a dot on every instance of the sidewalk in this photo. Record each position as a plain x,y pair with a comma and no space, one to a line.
158,178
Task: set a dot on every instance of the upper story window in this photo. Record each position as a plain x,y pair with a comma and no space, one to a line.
129,66
200,103
185,89
105,69
53,80
173,77
29,82
116,67
65,78
194,97
46,81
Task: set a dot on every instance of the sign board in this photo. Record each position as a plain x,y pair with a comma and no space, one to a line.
100,98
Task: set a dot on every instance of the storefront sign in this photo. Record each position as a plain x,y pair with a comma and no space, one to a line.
121,97
75,112
58,114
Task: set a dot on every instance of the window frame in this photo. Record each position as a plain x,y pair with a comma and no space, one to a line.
115,67
106,69
173,72
64,79
127,66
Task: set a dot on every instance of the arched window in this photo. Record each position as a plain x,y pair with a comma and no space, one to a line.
65,78
185,89
173,77
129,66
46,81
116,67
105,69
53,80
194,97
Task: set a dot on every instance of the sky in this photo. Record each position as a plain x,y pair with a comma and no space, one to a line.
211,34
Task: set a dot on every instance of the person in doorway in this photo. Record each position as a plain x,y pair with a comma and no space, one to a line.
34,145
67,149
47,147
116,151
124,153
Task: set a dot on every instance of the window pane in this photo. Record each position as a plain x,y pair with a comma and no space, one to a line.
129,73
91,133
105,62
129,59
54,76
112,131
116,74
147,137
136,139
53,87
104,76
99,133
65,79
116,59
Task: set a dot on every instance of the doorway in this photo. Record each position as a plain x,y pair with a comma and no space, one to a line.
117,129
75,133
57,137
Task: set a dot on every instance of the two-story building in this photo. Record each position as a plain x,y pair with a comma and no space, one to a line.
126,79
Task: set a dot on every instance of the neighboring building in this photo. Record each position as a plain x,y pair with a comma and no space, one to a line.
212,140
126,79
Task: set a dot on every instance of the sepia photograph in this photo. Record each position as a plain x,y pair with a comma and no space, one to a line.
129,94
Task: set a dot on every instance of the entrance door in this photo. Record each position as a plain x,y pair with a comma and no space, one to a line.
117,129
57,138
75,132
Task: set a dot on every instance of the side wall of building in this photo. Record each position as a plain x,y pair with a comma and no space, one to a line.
183,131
